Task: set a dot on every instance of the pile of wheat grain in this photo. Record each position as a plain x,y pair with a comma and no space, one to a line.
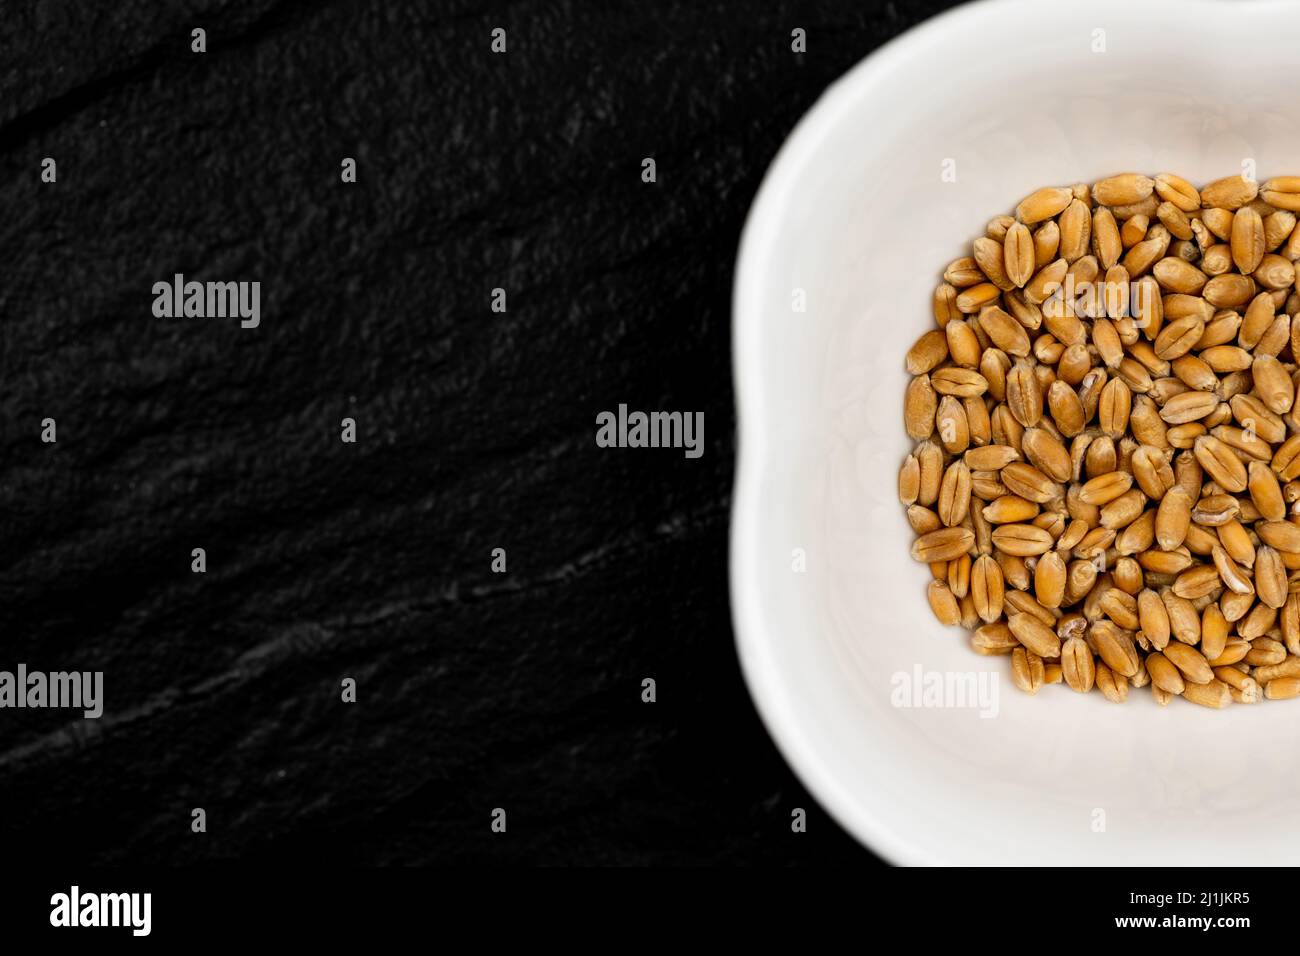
1105,483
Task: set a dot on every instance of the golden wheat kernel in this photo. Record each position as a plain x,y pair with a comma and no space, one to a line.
943,544
943,603
1179,191
1218,222
922,519
945,304
1044,204
963,345
1027,670
920,403
962,382
1257,622
963,273
1282,688
1282,193
1034,634
1176,221
1114,689
1123,189
1190,662
1278,228
1213,693
1004,331
1229,291
1164,674
1247,239
1229,193
987,254
1273,384
994,639
1264,652
1134,230
1047,242
1275,273
997,227
1077,666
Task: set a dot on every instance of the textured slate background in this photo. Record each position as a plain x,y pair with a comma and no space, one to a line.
476,430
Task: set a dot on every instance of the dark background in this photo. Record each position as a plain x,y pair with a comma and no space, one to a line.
475,429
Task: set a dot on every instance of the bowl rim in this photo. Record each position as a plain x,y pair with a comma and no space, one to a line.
759,235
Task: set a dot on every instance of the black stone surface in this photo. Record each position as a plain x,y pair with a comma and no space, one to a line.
475,430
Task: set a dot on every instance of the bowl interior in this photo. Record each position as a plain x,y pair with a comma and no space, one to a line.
840,257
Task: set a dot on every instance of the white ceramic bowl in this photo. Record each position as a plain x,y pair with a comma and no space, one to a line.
855,213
